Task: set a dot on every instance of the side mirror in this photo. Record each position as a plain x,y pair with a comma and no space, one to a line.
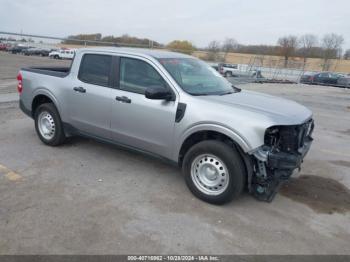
159,93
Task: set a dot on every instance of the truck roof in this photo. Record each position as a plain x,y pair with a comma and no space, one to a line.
155,53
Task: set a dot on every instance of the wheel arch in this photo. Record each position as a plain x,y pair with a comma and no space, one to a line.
43,96
204,130
226,136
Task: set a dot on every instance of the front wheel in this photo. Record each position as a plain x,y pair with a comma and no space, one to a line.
228,74
214,171
48,125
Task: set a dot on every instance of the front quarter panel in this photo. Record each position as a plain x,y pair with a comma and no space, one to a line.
246,128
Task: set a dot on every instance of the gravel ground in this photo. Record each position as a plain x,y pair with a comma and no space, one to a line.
10,64
91,198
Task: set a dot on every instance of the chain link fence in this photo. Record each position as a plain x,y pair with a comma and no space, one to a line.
252,68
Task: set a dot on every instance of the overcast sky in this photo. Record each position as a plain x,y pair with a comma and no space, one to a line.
200,21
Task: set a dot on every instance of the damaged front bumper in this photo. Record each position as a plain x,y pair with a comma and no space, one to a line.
273,166
282,160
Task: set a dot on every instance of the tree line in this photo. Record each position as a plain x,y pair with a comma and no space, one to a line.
98,39
306,46
126,40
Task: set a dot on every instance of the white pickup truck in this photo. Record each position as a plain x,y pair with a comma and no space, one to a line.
228,69
62,54
237,70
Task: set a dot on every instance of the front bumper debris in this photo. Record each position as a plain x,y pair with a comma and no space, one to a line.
273,167
282,160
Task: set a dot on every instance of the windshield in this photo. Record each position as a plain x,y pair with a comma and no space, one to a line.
196,77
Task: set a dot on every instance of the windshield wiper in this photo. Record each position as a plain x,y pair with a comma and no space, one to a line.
237,89
226,93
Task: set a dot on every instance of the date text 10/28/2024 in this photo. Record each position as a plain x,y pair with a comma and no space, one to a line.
173,258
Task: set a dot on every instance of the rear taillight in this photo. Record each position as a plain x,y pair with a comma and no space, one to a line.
20,84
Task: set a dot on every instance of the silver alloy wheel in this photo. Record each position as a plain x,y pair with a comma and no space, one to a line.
209,174
46,125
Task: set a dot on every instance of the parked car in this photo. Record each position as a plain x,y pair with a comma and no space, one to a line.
228,70
32,51
18,49
344,81
45,52
4,46
8,47
233,70
62,54
326,78
307,78
37,51
176,107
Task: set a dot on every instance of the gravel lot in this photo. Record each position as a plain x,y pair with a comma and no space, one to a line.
10,64
91,198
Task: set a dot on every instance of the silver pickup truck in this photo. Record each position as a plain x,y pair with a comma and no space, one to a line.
176,107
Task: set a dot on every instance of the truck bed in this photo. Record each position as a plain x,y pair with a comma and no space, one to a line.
51,71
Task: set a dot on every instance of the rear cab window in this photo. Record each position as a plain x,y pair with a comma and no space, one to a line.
95,69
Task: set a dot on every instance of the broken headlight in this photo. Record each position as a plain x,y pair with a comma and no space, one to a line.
272,137
288,138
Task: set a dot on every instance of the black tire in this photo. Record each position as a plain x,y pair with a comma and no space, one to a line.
231,159
228,74
59,136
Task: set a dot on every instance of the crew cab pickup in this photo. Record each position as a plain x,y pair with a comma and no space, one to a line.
234,70
62,54
176,107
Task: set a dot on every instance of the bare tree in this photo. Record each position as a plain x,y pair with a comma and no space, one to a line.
307,44
213,50
287,45
332,44
229,45
214,46
347,54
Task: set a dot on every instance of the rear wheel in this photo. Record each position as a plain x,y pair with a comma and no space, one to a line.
214,171
48,125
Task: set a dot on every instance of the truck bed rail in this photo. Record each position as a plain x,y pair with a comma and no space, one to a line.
51,71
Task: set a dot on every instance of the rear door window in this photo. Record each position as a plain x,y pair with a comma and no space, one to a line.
95,69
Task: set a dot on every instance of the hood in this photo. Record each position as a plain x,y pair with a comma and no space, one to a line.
279,110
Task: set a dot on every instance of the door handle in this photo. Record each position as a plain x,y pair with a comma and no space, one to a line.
79,89
123,99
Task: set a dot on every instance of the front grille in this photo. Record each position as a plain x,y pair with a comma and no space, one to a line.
289,138
293,137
